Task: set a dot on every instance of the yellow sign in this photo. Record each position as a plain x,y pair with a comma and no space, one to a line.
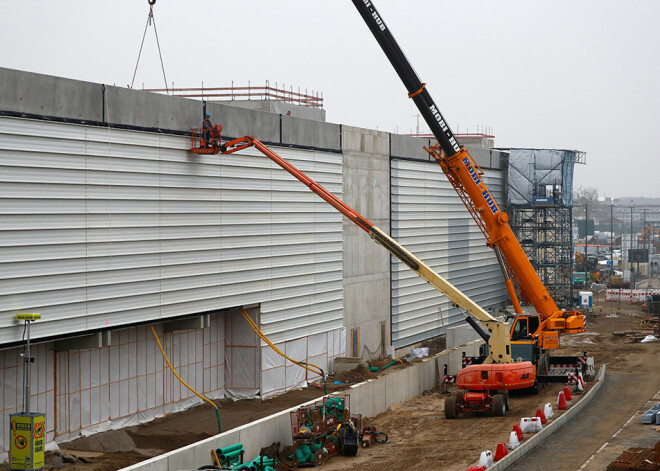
28,317
27,441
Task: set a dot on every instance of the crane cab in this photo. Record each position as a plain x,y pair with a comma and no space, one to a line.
526,332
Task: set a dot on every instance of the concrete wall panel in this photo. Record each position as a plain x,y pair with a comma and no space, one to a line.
427,375
310,133
378,395
391,389
410,147
184,459
237,122
152,110
412,381
27,92
366,266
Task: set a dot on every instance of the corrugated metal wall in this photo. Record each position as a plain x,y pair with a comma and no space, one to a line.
430,220
101,228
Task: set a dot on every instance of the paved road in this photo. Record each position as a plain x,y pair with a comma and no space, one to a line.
620,397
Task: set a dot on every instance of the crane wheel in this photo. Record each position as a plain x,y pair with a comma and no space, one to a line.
498,407
459,398
450,407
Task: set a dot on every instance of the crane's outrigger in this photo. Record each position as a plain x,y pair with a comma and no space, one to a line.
486,386
531,335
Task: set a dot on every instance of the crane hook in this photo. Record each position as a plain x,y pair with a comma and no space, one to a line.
152,2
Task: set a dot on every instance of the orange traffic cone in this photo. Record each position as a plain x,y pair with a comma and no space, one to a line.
541,415
561,401
519,434
501,451
567,393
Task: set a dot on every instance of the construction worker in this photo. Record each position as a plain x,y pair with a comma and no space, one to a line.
206,129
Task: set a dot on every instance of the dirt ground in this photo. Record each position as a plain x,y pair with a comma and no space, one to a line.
419,435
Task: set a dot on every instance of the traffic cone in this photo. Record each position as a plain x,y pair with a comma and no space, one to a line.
561,401
478,468
519,434
501,451
541,415
547,410
486,459
567,393
513,441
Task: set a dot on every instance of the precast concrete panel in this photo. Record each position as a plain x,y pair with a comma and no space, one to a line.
101,228
431,221
27,92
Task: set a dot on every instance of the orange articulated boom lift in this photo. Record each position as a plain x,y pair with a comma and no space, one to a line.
486,386
531,335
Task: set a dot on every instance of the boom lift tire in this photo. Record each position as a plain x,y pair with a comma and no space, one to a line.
459,397
499,406
536,388
450,407
505,393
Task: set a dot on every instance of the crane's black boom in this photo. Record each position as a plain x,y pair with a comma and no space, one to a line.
416,89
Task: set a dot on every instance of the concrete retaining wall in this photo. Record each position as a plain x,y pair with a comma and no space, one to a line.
369,399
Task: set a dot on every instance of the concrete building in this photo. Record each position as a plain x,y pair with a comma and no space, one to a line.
109,227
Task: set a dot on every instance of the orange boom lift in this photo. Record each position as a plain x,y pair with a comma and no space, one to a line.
488,384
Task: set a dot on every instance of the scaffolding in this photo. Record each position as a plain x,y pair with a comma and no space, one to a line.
308,98
540,199
545,236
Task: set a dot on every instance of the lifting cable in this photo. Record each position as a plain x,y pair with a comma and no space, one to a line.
150,18
217,412
318,370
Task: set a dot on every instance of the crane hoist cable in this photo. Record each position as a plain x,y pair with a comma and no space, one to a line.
308,366
150,19
217,411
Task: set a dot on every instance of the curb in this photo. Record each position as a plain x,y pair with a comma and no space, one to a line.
542,436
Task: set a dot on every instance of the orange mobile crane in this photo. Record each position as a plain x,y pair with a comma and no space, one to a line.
531,335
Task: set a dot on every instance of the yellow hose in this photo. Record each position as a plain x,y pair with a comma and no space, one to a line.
265,339
184,383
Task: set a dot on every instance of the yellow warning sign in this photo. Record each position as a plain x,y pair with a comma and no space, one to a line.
27,441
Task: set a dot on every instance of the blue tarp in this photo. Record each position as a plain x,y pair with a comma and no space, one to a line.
531,168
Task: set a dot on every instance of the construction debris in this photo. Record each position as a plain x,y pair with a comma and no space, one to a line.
637,459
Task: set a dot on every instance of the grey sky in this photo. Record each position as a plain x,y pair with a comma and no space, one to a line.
548,74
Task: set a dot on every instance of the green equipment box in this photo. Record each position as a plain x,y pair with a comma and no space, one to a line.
27,439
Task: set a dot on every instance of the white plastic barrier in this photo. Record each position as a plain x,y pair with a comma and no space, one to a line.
486,459
548,412
513,441
538,426
527,426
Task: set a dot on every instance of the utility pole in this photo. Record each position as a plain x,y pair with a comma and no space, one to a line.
587,276
611,248
631,241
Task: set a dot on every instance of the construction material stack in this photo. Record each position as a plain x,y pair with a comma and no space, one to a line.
319,431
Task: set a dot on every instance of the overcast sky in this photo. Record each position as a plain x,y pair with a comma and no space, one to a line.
565,74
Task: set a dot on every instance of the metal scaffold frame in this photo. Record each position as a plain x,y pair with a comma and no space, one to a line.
545,234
